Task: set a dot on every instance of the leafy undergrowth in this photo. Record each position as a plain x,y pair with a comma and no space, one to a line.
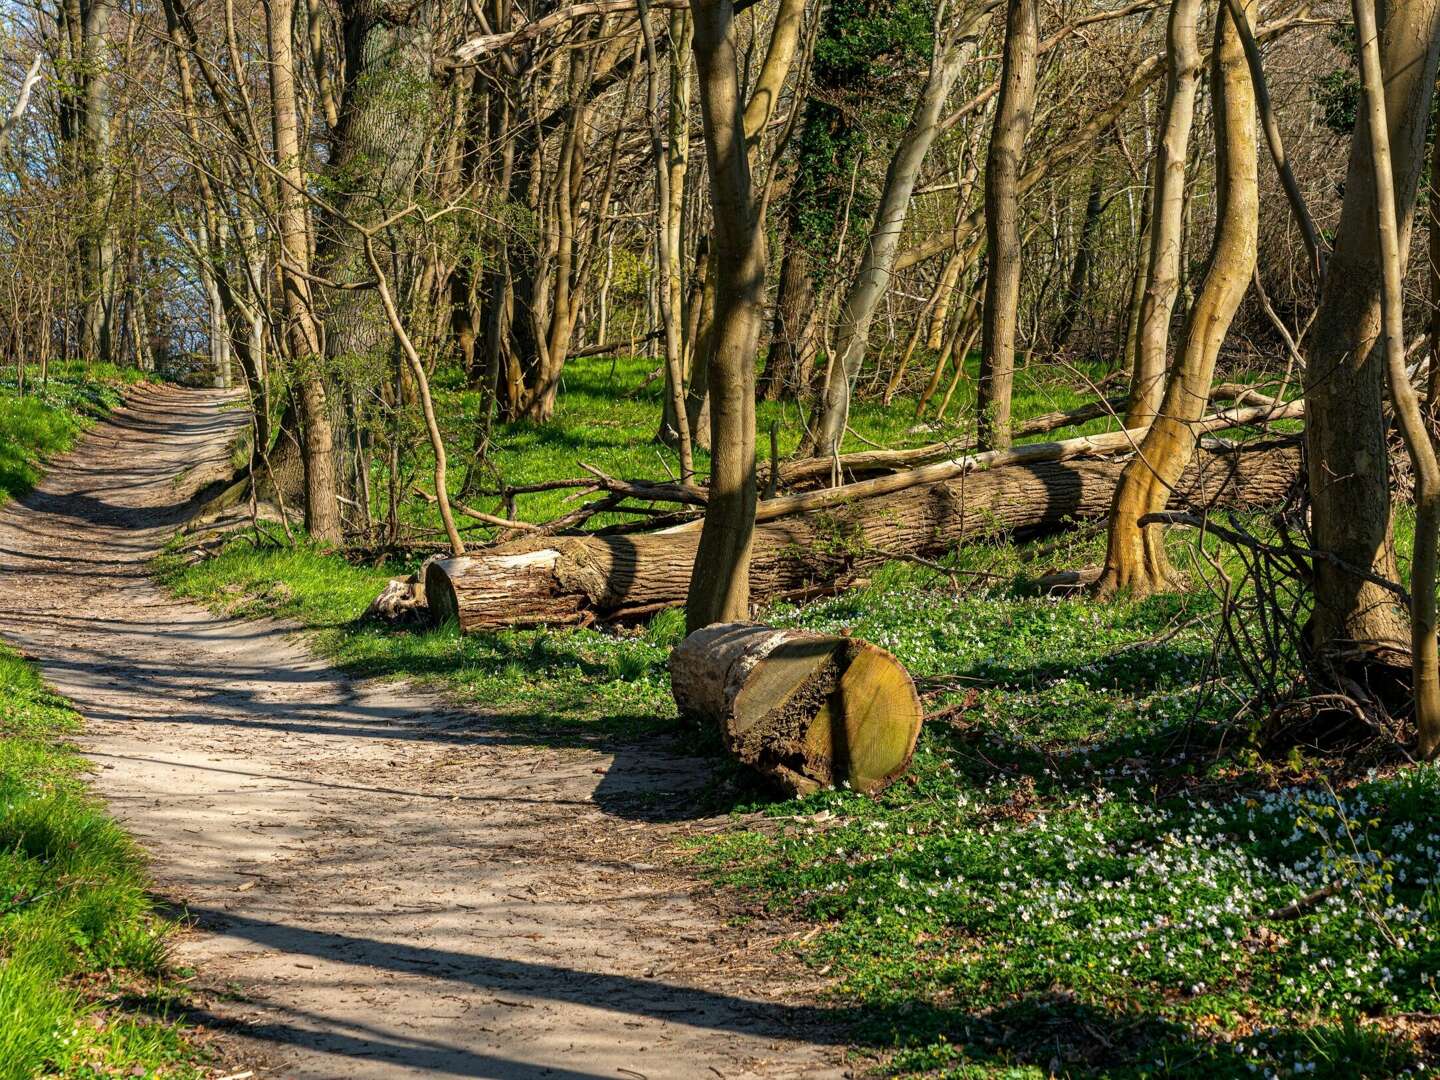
48,418
607,415
84,987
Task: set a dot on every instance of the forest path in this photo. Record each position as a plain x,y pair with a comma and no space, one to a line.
383,886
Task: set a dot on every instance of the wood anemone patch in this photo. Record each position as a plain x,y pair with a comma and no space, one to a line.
805,710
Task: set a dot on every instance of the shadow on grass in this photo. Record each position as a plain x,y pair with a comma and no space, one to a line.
1050,1029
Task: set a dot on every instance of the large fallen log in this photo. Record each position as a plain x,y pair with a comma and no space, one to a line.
579,579
805,710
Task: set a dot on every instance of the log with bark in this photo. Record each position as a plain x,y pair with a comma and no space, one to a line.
805,710
581,579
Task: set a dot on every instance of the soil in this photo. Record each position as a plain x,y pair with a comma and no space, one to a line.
380,885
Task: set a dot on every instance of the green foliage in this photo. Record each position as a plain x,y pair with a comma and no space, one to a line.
82,953
1078,874
865,52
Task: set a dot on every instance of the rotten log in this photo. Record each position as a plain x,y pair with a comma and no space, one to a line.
805,710
579,579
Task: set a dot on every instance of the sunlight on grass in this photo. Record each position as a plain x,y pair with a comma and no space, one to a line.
77,929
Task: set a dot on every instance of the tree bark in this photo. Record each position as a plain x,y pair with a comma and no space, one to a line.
1425,663
1167,215
1084,258
568,580
1345,374
876,270
720,582
806,711
1135,560
301,334
1013,114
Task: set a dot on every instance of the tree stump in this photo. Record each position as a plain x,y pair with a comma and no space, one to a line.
805,710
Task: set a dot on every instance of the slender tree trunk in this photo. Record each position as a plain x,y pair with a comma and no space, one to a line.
1135,560
877,264
792,340
1423,653
667,244
98,238
1084,259
1345,375
720,582
1167,214
302,334
1013,114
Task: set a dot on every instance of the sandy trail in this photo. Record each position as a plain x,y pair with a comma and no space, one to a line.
384,887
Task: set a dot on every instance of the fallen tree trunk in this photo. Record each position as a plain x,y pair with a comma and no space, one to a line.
579,579
805,710
865,462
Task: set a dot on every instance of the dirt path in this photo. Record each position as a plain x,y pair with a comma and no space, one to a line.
383,887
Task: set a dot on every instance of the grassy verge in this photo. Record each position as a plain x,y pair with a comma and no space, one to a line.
1082,871
83,980
48,418
84,988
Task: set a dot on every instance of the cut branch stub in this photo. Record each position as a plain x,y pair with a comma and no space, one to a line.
805,710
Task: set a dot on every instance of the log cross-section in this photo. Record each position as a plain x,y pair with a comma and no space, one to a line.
805,710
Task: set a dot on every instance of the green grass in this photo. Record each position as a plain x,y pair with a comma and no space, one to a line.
84,987
606,417
1077,872
49,417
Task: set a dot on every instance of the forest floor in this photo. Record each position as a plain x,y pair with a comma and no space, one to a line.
379,884
1084,874
1081,874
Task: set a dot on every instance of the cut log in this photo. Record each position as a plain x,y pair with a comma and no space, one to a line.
578,579
805,710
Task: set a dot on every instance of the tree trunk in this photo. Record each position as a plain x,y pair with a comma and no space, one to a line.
873,279
806,711
720,583
577,579
1013,114
669,172
1167,214
1424,660
791,359
302,335
1345,374
1135,560
1084,257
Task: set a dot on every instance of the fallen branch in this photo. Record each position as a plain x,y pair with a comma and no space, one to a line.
869,461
